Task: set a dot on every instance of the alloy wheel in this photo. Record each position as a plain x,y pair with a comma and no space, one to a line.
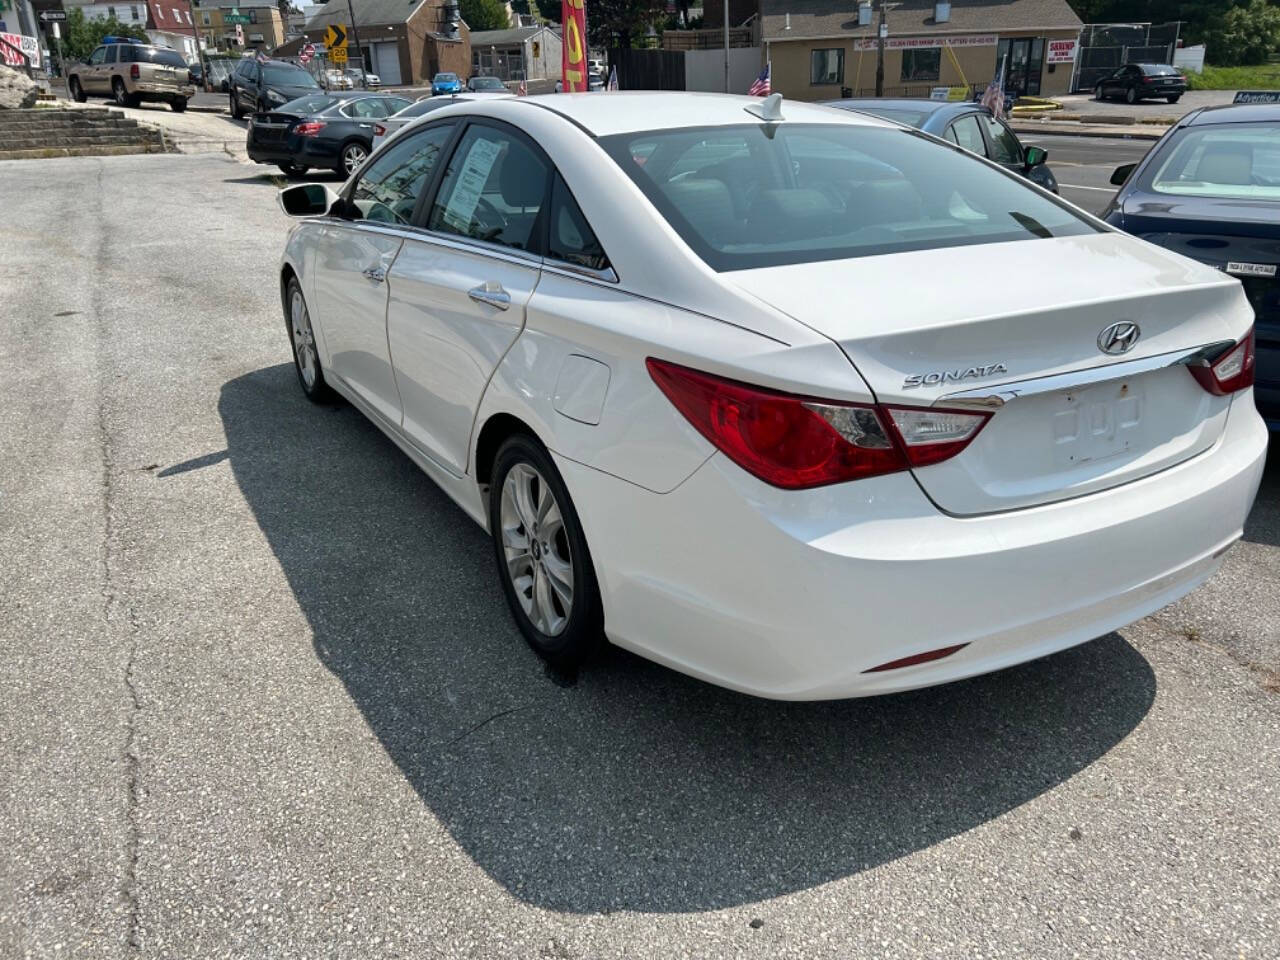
353,156
535,545
304,343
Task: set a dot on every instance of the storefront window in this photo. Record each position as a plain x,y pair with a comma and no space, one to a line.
826,66
919,65
1023,58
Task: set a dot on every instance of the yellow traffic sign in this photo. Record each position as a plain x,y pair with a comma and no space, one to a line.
336,38
338,55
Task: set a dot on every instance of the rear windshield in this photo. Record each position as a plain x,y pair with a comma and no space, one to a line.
426,106
1157,69
910,118
759,196
131,53
304,106
290,76
1234,161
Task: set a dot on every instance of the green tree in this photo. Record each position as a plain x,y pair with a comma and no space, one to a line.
1244,36
615,23
80,36
484,14
549,9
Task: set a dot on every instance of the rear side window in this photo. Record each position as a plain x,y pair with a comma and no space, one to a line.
493,189
802,193
389,187
571,238
1004,145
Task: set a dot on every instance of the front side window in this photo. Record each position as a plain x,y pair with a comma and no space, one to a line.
826,66
1004,145
98,56
811,192
389,187
920,65
571,238
492,190
966,133
1233,161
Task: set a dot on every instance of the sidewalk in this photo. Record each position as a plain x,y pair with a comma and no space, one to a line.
1077,128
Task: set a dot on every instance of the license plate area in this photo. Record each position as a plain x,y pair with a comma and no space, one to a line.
1097,423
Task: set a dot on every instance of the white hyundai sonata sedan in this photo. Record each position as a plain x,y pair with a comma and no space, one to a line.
801,402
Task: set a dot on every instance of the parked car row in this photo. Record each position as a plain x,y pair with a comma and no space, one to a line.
705,408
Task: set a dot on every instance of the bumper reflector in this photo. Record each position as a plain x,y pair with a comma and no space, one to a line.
918,658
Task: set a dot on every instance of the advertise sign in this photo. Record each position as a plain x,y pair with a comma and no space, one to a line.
1257,96
920,43
949,94
573,58
1061,51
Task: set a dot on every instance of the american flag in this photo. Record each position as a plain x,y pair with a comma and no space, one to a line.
522,90
993,97
761,87
613,78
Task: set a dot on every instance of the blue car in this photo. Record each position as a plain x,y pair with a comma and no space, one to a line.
445,83
966,124
1210,190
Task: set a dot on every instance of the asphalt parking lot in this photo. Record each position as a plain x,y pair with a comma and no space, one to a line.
264,699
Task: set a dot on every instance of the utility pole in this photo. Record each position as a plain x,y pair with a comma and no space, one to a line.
204,61
726,46
881,30
364,80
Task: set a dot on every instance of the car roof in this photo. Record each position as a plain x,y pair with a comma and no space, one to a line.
603,115
1235,113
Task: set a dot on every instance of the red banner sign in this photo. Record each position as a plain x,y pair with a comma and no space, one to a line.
573,58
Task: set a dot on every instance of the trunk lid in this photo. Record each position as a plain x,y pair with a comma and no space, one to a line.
163,74
272,126
1022,320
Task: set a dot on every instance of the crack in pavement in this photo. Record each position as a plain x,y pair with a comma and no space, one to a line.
111,598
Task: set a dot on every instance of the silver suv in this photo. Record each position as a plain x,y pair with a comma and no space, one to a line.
130,73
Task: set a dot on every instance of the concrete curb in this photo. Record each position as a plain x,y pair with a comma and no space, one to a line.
1068,128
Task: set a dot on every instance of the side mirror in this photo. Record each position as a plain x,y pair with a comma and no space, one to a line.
1036,156
1121,174
307,200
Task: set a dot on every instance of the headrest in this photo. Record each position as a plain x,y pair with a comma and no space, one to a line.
793,214
706,204
522,180
1226,163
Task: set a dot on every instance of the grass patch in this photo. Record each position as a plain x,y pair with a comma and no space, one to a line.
1265,76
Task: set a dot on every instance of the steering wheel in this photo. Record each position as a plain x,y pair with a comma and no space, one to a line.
488,220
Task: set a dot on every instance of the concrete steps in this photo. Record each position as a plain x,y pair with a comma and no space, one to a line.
44,132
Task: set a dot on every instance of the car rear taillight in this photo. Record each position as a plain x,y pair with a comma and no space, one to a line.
1230,372
796,442
379,130
134,72
309,129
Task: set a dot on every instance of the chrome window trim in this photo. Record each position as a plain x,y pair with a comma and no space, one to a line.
994,397
450,241
577,271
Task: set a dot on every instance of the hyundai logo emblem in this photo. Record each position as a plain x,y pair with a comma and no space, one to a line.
1119,337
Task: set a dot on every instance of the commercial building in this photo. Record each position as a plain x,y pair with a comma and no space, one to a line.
823,50
522,53
215,19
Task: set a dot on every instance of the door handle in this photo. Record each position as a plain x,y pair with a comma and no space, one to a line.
376,274
492,294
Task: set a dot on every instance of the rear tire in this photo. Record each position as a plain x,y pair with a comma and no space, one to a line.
122,97
542,556
1131,96
76,91
236,112
353,155
178,104
306,357
1097,93
1174,99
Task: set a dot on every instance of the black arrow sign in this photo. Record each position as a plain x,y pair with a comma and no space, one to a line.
339,35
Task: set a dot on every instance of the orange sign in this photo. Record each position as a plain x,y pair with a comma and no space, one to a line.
573,60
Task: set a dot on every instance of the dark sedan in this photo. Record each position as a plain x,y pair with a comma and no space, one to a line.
1210,190
329,130
969,125
1142,81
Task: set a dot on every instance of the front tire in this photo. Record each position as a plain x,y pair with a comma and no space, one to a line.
236,112
306,358
1131,96
178,104
1174,99
76,91
1097,93
542,555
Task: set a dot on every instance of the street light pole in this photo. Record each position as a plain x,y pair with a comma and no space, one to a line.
726,46
204,61
364,80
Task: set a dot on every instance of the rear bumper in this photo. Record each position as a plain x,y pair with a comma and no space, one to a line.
794,595
161,91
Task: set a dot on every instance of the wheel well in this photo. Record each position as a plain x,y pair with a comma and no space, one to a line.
286,275
492,435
